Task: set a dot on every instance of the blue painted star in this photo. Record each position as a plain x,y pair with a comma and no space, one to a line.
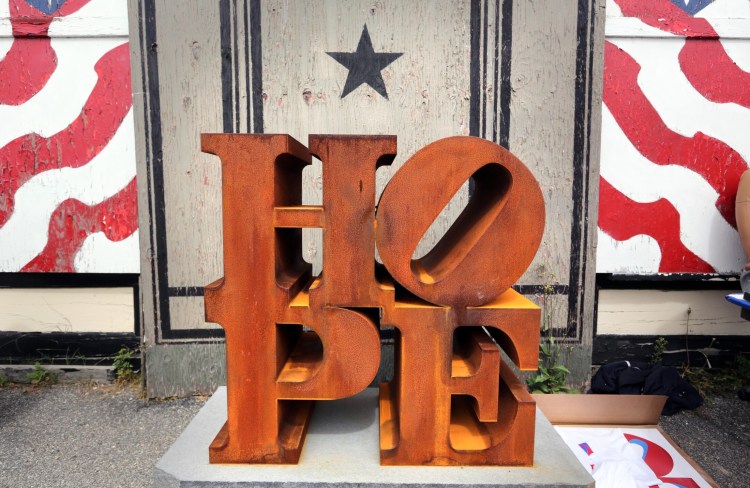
365,65
692,7
47,6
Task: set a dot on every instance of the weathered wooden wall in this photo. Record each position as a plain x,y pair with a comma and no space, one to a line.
525,74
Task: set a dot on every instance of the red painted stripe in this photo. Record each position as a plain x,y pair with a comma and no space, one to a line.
704,61
77,144
25,69
26,27
712,72
27,21
715,161
666,16
73,221
29,63
622,218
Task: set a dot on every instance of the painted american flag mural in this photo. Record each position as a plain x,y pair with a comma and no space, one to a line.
675,135
67,161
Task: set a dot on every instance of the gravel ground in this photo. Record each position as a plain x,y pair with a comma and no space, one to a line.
88,435
84,435
717,437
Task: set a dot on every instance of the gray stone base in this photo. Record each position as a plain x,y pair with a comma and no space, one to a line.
342,449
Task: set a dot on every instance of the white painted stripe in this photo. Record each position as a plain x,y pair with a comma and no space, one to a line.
633,27
638,255
726,9
5,44
98,18
67,310
613,10
729,18
703,230
682,108
739,51
6,30
733,42
36,200
60,101
100,255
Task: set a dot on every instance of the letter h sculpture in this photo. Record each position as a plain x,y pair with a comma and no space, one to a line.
293,338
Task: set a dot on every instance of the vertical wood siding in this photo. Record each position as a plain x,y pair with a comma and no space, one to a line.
521,73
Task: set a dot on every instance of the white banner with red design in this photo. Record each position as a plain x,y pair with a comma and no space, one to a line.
676,115
68,198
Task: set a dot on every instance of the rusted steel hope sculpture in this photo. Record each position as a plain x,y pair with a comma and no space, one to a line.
452,399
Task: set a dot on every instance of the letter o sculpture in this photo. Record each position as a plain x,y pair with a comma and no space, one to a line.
491,243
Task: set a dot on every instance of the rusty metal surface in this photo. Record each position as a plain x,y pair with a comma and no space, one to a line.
452,400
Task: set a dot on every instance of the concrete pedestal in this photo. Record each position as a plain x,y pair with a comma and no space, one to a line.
342,450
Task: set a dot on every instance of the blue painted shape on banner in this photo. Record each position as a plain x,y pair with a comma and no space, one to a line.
692,7
639,442
49,7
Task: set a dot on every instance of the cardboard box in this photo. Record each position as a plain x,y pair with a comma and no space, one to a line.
601,409
634,417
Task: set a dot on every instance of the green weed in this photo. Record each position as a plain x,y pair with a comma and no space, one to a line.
123,365
41,376
551,376
711,382
660,345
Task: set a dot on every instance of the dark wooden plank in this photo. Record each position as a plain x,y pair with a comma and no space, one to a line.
67,280
718,350
63,347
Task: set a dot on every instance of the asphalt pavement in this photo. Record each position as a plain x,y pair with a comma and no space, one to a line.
88,435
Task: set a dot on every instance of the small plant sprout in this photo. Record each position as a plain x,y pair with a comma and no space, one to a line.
123,365
40,376
660,345
551,375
